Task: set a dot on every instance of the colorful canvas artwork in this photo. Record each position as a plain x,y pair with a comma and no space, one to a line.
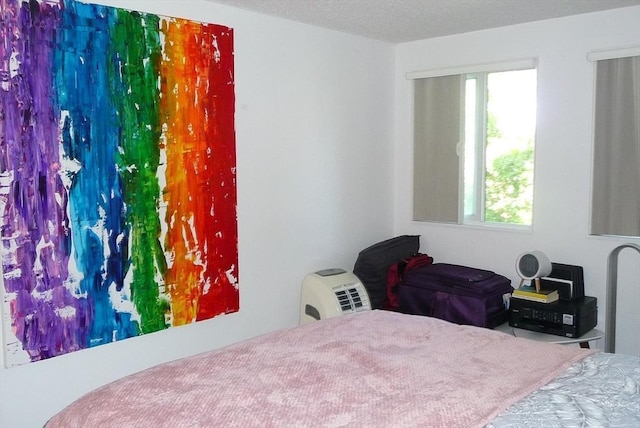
117,175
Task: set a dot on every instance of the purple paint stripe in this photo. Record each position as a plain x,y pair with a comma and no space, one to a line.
45,314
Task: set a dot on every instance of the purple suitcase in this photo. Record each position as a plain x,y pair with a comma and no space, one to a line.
460,294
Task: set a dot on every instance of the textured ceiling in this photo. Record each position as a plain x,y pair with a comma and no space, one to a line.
399,21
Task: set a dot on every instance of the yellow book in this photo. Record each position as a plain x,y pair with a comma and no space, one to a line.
529,293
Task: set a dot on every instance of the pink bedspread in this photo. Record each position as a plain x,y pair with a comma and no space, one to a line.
371,369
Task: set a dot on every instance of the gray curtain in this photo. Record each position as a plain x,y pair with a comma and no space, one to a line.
616,160
437,133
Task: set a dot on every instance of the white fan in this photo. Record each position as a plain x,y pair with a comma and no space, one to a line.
532,265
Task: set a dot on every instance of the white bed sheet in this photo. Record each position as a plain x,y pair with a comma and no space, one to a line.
602,390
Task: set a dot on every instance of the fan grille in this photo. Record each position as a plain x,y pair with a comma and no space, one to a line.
529,265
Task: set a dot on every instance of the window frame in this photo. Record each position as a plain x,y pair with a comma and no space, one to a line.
479,157
477,217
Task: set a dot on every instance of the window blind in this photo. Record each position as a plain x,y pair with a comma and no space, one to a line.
437,135
615,205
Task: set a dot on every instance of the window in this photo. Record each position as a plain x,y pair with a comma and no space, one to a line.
615,204
474,136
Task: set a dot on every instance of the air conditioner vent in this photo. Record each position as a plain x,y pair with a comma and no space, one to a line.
355,297
349,297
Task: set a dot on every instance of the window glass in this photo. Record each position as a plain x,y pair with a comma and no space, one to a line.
510,136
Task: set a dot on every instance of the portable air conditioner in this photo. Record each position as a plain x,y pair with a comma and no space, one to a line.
330,293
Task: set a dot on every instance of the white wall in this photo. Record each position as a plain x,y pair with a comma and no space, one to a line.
563,154
314,132
314,126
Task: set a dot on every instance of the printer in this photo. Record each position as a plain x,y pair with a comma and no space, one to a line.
571,318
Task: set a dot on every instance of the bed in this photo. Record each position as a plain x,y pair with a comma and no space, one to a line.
373,369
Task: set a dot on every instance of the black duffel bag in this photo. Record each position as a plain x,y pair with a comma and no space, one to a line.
373,263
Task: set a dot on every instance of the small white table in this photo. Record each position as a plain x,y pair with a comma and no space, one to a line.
583,340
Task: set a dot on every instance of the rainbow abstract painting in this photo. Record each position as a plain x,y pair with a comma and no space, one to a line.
117,175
